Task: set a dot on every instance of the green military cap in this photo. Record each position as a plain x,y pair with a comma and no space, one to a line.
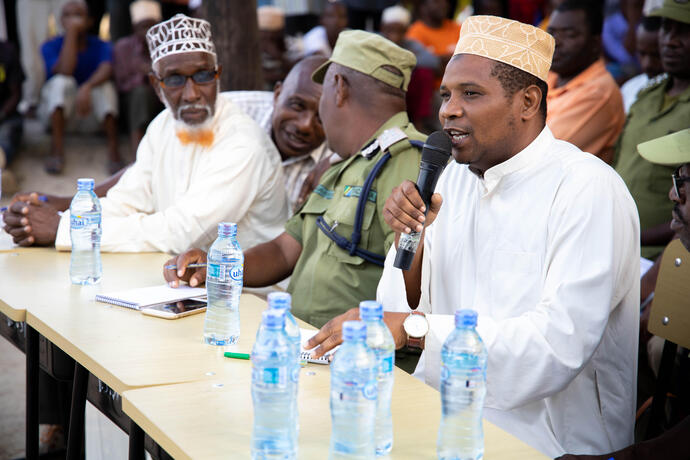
673,149
368,53
678,10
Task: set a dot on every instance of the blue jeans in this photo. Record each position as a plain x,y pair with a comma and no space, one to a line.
10,136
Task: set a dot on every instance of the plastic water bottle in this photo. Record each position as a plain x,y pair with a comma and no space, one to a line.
275,434
282,301
380,340
85,233
463,386
353,396
224,272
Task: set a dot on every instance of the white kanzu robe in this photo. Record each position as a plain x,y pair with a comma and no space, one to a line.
172,198
546,248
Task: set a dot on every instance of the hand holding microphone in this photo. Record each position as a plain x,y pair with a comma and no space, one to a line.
409,203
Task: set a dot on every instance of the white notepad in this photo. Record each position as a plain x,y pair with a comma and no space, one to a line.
143,297
306,355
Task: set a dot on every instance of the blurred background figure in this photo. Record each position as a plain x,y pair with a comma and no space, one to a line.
366,14
131,67
584,104
618,39
435,31
491,7
394,23
11,77
32,27
647,46
321,39
274,60
78,94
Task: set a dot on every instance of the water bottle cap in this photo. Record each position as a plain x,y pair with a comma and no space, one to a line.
280,300
370,310
85,183
273,319
227,229
354,330
465,318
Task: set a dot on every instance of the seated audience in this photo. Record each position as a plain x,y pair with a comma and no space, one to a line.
672,150
131,68
11,77
78,93
290,116
650,61
554,278
618,39
363,112
660,109
201,161
274,60
394,23
321,39
585,106
434,30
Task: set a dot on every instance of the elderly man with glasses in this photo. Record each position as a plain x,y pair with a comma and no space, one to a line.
202,161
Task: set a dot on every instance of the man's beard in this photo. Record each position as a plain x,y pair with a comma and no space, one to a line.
198,133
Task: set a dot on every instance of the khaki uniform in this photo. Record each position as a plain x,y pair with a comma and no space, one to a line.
327,280
650,117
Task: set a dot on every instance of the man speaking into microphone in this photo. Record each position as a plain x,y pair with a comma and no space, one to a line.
541,239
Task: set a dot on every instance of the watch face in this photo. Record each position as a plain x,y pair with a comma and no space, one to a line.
416,326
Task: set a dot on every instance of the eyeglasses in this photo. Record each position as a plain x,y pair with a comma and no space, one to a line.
678,180
202,77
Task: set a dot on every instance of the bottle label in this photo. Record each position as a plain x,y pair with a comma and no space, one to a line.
274,376
445,372
370,389
387,364
77,221
225,272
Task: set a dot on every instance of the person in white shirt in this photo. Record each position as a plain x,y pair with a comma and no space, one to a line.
201,162
647,39
541,239
290,116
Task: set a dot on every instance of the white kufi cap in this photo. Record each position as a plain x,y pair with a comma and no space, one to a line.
179,34
145,9
394,14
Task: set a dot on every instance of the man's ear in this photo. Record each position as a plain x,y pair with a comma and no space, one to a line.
530,102
342,89
276,91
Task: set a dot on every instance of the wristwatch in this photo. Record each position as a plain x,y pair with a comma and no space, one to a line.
416,327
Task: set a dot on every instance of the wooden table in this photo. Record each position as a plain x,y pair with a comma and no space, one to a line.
212,419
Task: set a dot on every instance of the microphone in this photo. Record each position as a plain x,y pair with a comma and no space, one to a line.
435,156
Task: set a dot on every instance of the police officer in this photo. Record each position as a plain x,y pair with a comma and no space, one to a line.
334,246
661,108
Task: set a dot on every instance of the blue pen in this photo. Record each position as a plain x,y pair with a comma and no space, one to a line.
173,267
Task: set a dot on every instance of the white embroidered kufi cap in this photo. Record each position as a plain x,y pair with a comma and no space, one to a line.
179,34
396,14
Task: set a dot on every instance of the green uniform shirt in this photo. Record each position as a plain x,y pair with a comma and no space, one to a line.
649,183
327,280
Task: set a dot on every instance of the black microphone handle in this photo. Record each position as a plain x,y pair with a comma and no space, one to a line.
408,242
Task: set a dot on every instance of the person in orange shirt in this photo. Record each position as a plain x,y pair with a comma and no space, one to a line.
584,104
433,30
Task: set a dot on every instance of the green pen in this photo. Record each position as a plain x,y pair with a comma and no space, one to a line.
229,354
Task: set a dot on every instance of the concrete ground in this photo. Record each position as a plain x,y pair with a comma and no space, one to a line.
86,156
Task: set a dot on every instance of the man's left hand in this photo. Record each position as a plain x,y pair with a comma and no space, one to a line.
31,222
83,100
330,335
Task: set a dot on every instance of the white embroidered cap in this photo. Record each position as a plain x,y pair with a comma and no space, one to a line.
179,34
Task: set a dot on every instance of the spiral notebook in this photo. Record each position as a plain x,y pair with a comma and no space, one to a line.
152,295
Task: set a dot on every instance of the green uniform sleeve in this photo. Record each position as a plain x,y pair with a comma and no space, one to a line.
293,227
404,166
